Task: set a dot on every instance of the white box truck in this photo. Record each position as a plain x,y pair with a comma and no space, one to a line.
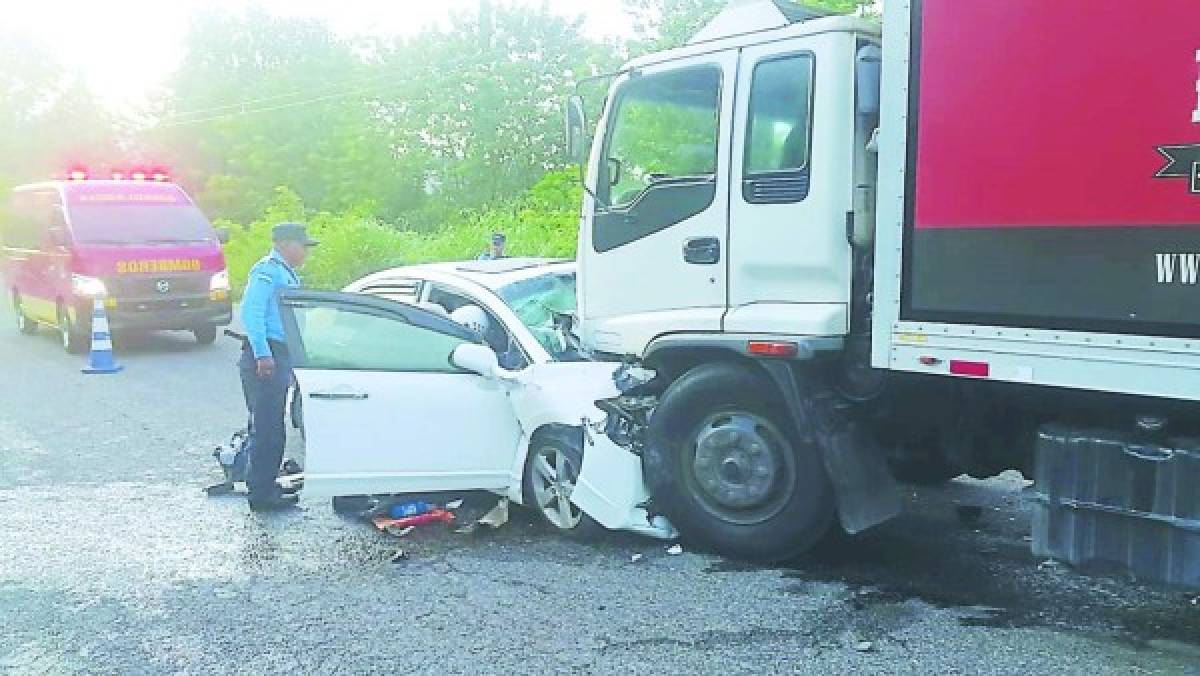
964,241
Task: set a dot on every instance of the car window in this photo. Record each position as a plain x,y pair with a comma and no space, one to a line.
497,336
350,339
399,290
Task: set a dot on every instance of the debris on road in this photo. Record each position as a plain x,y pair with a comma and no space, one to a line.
394,526
402,510
497,517
675,550
635,558
400,555
864,646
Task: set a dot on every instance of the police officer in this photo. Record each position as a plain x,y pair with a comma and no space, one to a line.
265,366
495,250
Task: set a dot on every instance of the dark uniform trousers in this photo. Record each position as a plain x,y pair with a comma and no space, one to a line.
266,398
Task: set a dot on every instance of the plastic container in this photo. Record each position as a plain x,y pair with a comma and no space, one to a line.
1119,502
407,509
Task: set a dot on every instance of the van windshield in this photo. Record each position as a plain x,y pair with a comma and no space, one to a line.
139,224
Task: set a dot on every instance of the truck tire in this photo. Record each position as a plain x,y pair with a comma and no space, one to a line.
725,465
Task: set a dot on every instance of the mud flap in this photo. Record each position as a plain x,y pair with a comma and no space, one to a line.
866,492
867,495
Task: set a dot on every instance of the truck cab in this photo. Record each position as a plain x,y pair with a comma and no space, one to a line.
729,182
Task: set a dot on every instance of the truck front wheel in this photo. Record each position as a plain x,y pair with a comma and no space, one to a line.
725,465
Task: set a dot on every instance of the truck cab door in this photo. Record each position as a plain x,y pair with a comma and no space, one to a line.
385,410
653,245
789,256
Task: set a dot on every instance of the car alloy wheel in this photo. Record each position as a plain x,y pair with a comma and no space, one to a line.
554,476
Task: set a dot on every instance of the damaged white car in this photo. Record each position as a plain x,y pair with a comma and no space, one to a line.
454,377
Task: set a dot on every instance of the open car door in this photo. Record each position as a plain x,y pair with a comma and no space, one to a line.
385,410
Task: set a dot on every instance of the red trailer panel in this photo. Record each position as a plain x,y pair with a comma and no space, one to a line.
1056,185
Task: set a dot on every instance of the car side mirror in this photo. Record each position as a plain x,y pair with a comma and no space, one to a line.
576,130
223,235
475,358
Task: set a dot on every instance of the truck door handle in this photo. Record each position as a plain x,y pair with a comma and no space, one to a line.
702,251
332,396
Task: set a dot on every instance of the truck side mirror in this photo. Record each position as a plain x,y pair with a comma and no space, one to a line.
223,235
868,69
576,130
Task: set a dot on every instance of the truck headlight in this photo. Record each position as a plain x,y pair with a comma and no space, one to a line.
88,287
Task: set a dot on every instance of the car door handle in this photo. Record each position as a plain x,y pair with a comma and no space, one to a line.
331,396
702,251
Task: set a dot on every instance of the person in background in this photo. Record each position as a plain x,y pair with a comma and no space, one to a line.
496,249
265,365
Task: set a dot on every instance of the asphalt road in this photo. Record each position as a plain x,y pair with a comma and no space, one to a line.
112,561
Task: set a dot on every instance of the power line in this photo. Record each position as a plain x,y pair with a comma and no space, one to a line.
282,106
176,117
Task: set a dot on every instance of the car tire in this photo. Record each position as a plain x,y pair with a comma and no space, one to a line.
552,467
205,335
25,325
73,341
724,463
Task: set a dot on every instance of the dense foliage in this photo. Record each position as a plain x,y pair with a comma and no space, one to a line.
395,150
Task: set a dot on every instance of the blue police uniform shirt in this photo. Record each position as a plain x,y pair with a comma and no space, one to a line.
260,302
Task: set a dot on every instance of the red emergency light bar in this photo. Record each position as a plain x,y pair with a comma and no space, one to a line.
158,175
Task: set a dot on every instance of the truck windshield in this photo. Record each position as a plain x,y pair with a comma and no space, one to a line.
665,127
537,302
130,224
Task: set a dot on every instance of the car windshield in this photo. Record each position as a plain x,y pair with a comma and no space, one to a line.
140,224
543,303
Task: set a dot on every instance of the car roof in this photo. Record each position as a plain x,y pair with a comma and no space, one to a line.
490,274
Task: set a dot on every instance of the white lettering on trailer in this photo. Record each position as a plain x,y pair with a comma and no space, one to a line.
1166,268
1188,266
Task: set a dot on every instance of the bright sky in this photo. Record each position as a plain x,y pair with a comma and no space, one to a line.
125,48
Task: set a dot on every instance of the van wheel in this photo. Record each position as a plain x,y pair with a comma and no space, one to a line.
205,335
725,465
24,324
73,341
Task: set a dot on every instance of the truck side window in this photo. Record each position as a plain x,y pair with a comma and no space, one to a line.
779,131
663,136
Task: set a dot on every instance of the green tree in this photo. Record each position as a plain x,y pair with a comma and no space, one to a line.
49,119
262,101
